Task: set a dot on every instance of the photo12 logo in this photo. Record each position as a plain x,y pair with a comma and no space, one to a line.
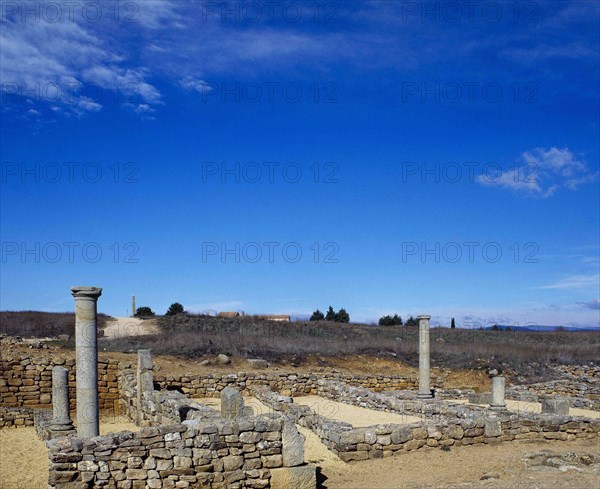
69,252
52,12
468,252
269,252
270,172
69,172
270,92
268,12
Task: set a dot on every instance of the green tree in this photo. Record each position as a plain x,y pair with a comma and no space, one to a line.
411,321
386,321
317,316
342,316
174,309
397,320
144,311
452,324
330,314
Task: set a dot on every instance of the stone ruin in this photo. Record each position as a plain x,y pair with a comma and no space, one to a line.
183,443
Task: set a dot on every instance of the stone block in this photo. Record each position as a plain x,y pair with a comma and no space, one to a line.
258,363
555,406
492,427
232,403
293,445
302,477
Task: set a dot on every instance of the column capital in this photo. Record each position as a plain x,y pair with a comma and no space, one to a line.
423,316
86,292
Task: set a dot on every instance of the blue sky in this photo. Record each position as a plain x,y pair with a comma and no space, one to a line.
385,157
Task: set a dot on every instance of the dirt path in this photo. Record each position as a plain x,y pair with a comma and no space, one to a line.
120,327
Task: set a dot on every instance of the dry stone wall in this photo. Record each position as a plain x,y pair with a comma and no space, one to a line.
27,381
212,454
443,423
15,417
286,383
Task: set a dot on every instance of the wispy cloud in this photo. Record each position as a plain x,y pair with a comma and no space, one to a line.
593,304
65,62
541,172
574,282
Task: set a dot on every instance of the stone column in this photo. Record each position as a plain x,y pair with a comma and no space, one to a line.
86,350
133,306
61,419
145,380
498,387
424,388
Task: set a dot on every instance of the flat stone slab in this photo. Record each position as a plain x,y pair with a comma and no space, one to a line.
555,406
302,477
232,403
258,363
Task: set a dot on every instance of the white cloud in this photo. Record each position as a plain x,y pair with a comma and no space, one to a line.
144,109
541,172
593,304
88,104
66,64
191,83
575,282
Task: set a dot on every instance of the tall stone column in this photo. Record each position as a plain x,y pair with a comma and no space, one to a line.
424,387
498,392
86,350
145,380
61,423
132,305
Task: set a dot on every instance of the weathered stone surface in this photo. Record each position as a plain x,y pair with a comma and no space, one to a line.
492,427
293,445
555,406
258,363
223,359
302,477
232,403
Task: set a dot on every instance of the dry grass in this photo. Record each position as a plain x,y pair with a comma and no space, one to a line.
195,336
41,324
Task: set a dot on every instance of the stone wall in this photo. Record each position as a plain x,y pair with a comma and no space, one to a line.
159,407
27,381
286,383
213,454
15,417
443,423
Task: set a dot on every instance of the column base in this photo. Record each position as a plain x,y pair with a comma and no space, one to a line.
61,428
497,407
425,396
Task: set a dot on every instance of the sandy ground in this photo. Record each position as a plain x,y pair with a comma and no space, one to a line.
356,416
536,407
463,467
486,466
24,458
120,327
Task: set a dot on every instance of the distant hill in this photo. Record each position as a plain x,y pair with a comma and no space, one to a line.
542,328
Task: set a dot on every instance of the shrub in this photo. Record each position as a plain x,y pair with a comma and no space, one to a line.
144,311
317,316
411,321
174,309
452,324
390,321
342,316
330,314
